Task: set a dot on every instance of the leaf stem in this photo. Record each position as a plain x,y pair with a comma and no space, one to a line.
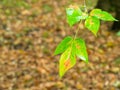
76,33
85,6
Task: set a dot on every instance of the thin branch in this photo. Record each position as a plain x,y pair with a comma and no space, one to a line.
77,30
85,6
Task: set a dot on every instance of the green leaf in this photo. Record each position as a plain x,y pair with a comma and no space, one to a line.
64,44
96,12
81,51
93,24
67,61
107,17
73,15
103,15
118,33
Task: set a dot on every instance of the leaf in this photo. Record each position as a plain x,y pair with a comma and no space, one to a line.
81,51
67,61
107,17
93,24
103,15
73,15
118,33
64,44
96,12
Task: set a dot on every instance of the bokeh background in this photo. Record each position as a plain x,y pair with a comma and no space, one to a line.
29,32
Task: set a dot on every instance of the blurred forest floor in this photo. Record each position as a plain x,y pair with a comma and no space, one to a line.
29,33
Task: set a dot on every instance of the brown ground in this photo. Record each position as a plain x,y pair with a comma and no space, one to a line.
28,38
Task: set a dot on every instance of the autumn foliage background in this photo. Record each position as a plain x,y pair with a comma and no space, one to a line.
29,32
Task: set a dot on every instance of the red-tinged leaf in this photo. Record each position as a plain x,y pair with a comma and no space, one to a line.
67,61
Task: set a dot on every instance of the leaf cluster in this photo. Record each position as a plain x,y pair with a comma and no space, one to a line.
92,20
69,47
